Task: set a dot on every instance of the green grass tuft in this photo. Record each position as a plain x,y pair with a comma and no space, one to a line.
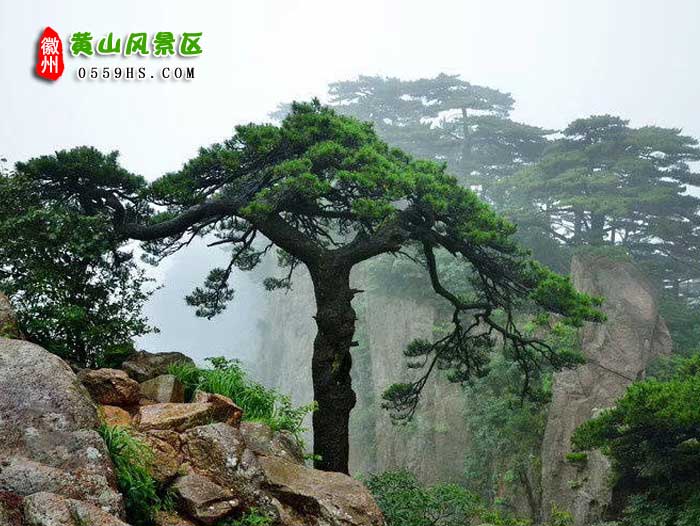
132,461
260,404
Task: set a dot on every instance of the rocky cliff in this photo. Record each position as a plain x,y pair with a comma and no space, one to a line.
617,354
433,446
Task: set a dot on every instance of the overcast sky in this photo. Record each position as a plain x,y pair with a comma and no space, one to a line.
560,60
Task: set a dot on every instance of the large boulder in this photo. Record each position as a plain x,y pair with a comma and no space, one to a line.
48,509
203,499
8,320
110,386
180,417
313,497
143,365
48,427
164,389
270,478
219,452
262,440
617,353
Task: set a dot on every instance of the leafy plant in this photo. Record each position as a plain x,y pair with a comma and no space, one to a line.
132,461
577,458
405,502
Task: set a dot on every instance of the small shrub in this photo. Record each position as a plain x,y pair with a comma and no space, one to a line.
132,460
405,502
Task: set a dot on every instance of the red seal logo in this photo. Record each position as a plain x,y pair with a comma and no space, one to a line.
49,64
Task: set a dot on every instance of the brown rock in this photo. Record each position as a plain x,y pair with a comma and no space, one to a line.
219,451
115,416
320,497
142,365
229,411
264,441
164,388
110,386
11,509
49,509
171,437
8,320
178,417
203,499
48,437
166,459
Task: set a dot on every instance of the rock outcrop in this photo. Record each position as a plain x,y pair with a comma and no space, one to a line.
55,469
48,427
617,352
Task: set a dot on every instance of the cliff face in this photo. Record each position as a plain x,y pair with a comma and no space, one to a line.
433,446
617,352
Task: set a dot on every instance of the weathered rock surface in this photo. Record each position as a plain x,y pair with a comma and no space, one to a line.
11,513
164,388
219,452
314,497
115,416
143,365
272,479
262,440
203,499
166,458
618,351
179,417
49,509
8,320
47,425
225,408
110,386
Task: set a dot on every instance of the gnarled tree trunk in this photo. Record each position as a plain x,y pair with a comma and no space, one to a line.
331,364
